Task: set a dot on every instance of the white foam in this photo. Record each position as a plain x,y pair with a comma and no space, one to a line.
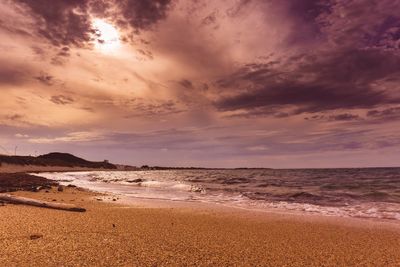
164,186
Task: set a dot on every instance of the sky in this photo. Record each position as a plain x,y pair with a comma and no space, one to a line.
228,83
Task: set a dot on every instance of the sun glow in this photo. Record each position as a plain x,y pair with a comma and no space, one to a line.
107,36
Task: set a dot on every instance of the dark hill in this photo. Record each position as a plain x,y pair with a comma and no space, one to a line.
55,159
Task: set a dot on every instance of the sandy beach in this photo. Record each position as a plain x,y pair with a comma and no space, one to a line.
200,133
114,234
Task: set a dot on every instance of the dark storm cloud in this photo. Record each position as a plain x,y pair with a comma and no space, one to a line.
363,23
100,8
143,14
308,10
338,80
356,50
62,22
67,23
289,80
305,16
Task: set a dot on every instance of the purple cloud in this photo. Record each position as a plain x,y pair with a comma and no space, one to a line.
338,80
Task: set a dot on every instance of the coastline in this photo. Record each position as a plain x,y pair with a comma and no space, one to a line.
155,233
13,168
242,194
247,213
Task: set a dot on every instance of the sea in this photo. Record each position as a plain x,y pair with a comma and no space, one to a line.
363,192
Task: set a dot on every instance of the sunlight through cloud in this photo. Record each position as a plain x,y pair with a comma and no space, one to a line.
107,36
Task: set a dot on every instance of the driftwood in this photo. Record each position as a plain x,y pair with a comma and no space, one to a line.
39,203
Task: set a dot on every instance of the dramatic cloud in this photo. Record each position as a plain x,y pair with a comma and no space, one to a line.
143,14
69,22
63,23
214,83
362,23
336,80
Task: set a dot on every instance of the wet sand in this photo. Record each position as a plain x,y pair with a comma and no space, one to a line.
112,234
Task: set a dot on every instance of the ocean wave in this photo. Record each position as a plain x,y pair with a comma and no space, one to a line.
354,193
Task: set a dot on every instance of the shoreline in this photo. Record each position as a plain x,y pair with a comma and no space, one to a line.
118,235
210,205
298,208
258,214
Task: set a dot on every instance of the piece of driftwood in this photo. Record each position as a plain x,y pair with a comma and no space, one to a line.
39,203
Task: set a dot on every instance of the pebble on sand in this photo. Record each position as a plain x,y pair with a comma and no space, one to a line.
35,236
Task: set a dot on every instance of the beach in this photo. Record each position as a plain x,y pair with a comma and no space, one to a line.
113,233
200,133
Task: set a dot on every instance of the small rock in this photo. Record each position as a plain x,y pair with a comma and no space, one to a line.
114,199
35,236
60,188
113,225
47,191
71,186
54,200
99,199
36,189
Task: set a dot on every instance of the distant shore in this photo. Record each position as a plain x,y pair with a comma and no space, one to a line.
12,168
